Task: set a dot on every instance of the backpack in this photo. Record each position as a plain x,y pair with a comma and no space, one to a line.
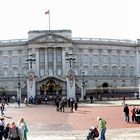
1,128
10,134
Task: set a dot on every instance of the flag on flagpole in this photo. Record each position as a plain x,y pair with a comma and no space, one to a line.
47,12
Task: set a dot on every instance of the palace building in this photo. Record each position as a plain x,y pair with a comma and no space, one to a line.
98,64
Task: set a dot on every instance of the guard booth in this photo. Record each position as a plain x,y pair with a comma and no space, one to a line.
50,87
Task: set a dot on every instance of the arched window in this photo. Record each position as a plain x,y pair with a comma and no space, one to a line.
132,72
25,71
114,70
95,70
123,69
42,71
15,72
104,70
5,72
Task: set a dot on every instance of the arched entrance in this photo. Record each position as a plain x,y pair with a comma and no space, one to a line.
51,87
105,87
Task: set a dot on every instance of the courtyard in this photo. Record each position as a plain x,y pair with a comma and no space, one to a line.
45,120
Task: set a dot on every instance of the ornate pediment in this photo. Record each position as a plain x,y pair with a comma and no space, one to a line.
50,38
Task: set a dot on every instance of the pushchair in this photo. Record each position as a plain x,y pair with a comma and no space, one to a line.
93,133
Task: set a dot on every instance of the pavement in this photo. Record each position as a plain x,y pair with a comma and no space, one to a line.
111,134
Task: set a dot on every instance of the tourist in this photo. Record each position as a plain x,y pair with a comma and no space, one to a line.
101,127
6,131
76,105
123,103
14,132
126,113
57,102
2,126
133,112
23,129
62,106
18,102
71,105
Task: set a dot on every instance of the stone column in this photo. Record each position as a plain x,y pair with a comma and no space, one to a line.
37,61
64,67
54,62
46,62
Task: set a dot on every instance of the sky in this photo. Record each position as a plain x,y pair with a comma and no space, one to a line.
114,19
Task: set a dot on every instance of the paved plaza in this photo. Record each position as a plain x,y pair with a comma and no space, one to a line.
45,123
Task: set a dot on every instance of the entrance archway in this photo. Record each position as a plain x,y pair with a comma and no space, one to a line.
51,87
105,87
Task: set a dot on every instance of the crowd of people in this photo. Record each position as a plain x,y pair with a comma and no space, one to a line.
13,130
135,113
63,102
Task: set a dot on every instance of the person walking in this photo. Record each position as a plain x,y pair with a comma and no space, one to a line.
126,113
23,129
6,131
2,126
76,105
102,128
14,132
133,112
123,103
71,105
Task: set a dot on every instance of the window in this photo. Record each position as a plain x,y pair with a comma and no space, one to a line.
15,72
25,71
114,59
5,60
59,55
123,83
114,70
96,70
14,60
95,58
14,52
5,72
105,70
5,53
24,58
59,71
50,58
104,59
42,56
131,59
123,59
123,69
50,70
58,58
42,71
85,59
132,73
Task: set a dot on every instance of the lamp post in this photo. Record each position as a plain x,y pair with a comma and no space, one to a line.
31,60
83,84
31,80
18,88
70,59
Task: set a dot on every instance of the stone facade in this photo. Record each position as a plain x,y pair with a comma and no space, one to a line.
108,63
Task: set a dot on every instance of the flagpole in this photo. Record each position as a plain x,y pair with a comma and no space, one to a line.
48,13
49,20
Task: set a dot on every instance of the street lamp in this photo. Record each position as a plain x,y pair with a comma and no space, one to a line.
31,60
18,87
70,59
83,84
